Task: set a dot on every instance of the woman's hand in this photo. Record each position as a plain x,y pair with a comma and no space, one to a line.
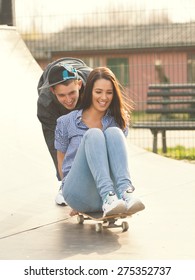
73,212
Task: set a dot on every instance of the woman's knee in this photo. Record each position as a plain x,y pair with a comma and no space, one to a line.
113,132
93,133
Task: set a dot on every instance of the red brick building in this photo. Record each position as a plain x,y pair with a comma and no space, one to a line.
139,55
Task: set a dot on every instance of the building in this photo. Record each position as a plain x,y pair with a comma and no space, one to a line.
139,54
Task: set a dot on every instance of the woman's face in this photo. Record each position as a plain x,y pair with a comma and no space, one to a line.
102,95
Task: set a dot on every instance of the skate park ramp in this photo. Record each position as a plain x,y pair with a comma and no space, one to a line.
33,227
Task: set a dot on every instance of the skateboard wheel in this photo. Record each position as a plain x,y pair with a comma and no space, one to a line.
98,227
80,219
125,226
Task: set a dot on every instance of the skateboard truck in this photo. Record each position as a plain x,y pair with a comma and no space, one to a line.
107,222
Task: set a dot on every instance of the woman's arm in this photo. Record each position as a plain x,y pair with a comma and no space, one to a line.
60,158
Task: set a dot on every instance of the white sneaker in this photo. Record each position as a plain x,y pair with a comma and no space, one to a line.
112,205
60,199
133,204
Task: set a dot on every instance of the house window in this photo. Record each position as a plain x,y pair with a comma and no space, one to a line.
191,68
120,67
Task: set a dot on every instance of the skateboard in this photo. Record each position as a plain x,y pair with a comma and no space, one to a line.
104,222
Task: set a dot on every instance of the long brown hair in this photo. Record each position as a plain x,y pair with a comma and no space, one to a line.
119,106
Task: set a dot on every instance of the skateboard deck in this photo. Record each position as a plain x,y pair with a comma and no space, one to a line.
107,221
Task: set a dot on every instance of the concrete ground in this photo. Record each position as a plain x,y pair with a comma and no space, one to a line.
34,228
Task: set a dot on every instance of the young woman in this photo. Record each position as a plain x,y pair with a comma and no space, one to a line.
91,150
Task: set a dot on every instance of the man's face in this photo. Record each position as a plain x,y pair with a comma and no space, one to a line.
67,95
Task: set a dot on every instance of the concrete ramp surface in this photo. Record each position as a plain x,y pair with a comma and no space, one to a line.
26,168
33,227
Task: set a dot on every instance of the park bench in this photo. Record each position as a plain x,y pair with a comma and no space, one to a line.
171,107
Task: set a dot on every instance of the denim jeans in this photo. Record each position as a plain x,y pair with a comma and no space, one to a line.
100,166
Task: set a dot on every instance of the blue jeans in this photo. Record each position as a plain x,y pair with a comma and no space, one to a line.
100,166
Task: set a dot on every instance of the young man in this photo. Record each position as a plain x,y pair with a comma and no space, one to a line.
60,88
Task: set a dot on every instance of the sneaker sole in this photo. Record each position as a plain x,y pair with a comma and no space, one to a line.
136,207
119,209
61,204
60,201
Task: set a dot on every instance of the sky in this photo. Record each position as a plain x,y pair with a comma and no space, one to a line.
50,16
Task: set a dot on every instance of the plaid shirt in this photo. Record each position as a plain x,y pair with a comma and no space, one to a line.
69,133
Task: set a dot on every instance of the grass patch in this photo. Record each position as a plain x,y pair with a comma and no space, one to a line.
179,152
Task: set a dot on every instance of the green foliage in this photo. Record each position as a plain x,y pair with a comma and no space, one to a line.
179,152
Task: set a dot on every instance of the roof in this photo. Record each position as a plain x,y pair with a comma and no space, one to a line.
122,37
